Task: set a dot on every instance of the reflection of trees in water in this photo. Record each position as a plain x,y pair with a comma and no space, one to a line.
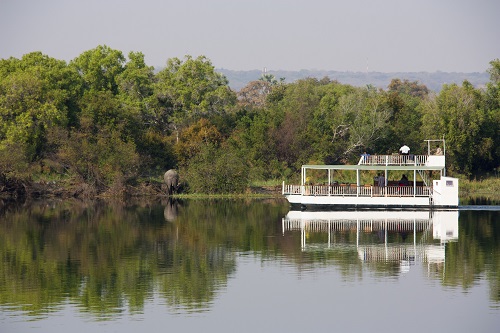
107,256
494,199
477,252
102,256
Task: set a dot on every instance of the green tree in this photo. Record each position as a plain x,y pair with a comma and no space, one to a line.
457,113
403,98
100,68
252,137
190,89
217,170
37,94
492,125
101,148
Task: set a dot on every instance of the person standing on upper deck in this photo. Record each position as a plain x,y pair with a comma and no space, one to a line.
404,150
365,156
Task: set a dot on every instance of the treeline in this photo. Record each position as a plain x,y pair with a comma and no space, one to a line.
104,121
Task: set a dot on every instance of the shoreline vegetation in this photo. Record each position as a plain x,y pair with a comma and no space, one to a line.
106,125
13,190
480,189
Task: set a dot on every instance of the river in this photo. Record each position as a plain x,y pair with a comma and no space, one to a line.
246,266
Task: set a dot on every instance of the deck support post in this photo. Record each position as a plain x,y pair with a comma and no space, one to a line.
414,183
357,182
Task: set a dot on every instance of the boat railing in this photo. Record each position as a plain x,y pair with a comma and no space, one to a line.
389,224
358,191
417,160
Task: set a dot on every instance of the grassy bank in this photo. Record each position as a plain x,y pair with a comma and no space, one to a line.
487,188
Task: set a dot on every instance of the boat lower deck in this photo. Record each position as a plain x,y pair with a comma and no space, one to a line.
351,190
359,196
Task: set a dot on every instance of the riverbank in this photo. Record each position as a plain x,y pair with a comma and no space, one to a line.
15,189
19,190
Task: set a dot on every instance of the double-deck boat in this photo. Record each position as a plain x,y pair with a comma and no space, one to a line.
321,185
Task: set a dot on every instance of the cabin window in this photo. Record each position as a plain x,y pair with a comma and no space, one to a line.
449,183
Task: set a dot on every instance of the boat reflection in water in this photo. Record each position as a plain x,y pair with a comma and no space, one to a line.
397,236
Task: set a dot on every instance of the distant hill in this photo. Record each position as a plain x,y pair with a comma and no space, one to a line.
434,81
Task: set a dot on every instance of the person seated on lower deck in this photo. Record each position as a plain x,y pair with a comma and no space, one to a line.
404,181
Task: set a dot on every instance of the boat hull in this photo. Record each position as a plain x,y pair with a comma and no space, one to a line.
337,202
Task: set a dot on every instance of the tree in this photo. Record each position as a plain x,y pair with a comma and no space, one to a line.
189,90
194,138
100,68
406,87
271,79
37,94
359,121
254,94
403,98
99,156
457,114
138,103
217,170
492,101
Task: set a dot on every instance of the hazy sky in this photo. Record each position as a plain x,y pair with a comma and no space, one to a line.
343,35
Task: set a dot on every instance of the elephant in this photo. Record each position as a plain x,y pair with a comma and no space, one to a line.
171,178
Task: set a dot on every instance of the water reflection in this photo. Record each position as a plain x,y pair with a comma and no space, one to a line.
106,257
377,236
109,259
480,201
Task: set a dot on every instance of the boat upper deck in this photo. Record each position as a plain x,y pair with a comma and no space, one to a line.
435,161
388,162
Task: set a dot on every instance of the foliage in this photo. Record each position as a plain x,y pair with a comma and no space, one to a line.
104,119
254,94
189,90
36,95
99,68
458,114
194,138
100,158
217,171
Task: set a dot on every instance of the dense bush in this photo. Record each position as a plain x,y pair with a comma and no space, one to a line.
217,171
105,121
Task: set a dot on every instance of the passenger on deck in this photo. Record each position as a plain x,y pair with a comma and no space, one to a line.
404,150
439,151
365,156
381,180
404,181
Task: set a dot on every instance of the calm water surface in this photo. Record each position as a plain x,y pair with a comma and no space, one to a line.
246,266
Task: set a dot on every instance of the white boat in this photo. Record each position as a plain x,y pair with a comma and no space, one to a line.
320,185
